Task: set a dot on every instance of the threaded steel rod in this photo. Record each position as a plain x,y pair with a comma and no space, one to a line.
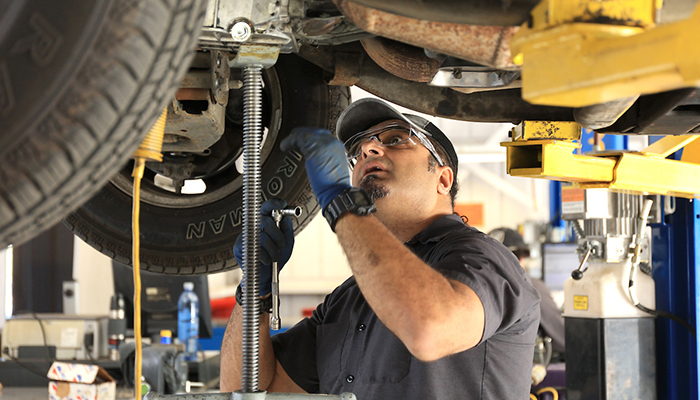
578,230
252,137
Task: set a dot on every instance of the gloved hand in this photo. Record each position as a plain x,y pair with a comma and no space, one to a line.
276,243
326,162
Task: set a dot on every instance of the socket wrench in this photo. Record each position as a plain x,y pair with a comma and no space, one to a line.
275,321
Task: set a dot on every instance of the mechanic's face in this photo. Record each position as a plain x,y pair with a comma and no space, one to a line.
403,172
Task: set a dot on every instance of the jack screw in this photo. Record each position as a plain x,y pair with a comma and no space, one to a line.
275,322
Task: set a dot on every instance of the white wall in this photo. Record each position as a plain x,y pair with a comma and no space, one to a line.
318,264
93,272
5,288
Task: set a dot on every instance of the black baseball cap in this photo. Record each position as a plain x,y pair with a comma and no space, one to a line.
510,238
364,113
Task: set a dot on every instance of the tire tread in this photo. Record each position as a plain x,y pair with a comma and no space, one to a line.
46,177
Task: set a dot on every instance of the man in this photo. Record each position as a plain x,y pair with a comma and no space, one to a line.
434,309
551,320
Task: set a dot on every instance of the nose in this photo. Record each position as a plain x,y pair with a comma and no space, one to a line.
371,147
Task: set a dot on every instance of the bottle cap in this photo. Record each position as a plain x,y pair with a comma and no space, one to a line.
166,336
188,286
117,302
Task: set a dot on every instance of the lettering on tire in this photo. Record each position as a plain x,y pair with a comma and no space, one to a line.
275,186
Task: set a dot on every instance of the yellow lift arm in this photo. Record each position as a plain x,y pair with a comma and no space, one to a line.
536,152
577,53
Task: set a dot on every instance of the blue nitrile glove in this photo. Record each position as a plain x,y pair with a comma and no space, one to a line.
276,244
326,162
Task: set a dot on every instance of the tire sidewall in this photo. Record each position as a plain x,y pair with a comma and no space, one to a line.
81,82
200,239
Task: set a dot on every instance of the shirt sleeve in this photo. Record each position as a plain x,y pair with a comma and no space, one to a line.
511,303
295,349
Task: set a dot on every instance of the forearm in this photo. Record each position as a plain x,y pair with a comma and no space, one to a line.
231,353
417,303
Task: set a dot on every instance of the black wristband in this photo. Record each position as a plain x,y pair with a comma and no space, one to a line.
353,200
265,304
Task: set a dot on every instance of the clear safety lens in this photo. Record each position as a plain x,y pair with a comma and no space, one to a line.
394,135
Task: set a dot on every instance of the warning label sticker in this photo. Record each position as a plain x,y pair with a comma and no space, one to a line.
572,200
580,303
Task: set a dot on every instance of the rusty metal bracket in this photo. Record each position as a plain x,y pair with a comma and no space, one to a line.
208,83
486,45
220,73
493,106
255,54
405,61
193,132
347,69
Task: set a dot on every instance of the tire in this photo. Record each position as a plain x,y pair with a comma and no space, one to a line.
81,83
194,234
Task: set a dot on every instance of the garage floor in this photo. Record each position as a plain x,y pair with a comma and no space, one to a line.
41,393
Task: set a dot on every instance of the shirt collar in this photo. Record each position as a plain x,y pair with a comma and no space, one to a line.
437,230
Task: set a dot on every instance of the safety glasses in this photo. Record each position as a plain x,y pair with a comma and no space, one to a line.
395,135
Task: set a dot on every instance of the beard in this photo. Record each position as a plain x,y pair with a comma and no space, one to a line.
371,185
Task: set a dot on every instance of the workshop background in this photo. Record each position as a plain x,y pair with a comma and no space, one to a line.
488,197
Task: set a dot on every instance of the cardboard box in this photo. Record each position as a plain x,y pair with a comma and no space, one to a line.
80,382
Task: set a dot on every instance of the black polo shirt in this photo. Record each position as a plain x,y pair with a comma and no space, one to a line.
344,347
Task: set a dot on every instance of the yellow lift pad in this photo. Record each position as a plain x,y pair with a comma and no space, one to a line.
569,59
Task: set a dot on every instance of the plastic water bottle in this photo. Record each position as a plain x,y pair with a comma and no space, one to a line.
188,321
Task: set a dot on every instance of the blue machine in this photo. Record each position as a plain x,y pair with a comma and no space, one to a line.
675,262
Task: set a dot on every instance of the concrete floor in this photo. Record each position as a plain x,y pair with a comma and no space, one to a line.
16,393
41,393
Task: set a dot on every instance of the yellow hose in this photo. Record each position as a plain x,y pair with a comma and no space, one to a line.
139,165
152,144
551,390
149,149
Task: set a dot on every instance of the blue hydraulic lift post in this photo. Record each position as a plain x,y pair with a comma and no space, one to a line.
610,142
674,269
675,266
555,220
695,268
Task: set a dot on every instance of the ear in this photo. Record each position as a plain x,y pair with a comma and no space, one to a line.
445,180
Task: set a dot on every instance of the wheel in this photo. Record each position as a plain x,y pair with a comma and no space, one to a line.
189,234
81,82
